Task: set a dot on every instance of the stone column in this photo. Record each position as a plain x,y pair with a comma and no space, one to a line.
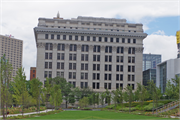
40,61
66,62
54,60
113,68
78,65
90,66
102,68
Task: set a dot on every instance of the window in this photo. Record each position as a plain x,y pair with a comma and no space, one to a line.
133,78
60,56
108,67
133,59
93,85
76,37
108,58
133,50
129,50
73,47
62,65
72,75
129,68
84,57
50,74
70,37
84,48
100,39
129,59
129,77
134,40
111,40
108,49
88,38
58,37
129,40
82,84
97,86
94,38
84,66
109,86
123,40
84,76
96,76
105,39
61,47
46,65
64,37
117,40
58,65
72,66
46,36
46,55
117,85
96,57
49,46
105,85
52,36
119,59
133,68
133,86
96,67
96,48
72,56
82,38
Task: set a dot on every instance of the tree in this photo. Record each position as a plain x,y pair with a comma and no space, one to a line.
97,98
64,86
108,97
83,102
36,87
170,88
142,94
129,96
115,97
102,97
5,77
21,94
55,96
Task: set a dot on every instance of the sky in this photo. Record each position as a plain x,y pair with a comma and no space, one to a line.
160,19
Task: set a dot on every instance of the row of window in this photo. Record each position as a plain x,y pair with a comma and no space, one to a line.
84,66
84,57
85,48
84,76
91,38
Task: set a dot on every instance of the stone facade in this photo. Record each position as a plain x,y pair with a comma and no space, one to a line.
96,52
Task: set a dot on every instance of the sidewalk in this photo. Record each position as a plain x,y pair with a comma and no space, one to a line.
27,113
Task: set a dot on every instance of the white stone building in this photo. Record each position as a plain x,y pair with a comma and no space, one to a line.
96,52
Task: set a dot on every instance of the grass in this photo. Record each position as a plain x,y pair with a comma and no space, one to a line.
94,115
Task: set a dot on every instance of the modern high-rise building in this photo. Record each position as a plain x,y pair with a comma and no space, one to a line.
150,61
32,72
102,53
13,50
166,71
178,43
149,74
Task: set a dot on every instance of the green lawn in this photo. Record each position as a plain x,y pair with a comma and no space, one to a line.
94,115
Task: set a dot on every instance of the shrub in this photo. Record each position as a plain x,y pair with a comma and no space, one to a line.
110,106
86,108
150,106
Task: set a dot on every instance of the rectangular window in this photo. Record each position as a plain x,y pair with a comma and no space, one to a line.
46,65
121,77
121,68
117,77
50,55
50,65
117,85
99,39
70,66
121,86
129,68
97,86
98,67
86,57
134,40
86,84
58,65
106,67
64,37
109,67
129,50
110,58
74,56
132,77
88,38
106,58
86,76
94,76
133,59
82,75
133,50
117,68
94,38
105,76
50,74
62,65
105,39
74,66
117,40
82,57
98,57
111,40
94,66
82,38
46,36
94,57
58,37
132,86
82,66
74,84
105,85
70,56
129,59
45,74
70,37
93,85
129,77
58,56
133,68
109,86
129,40
46,55
76,37
52,36
109,76
122,50
70,75
98,76
123,40
74,75
86,66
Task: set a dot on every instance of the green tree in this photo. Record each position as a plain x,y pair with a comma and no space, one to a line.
5,77
102,97
170,88
115,97
129,92
142,94
97,98
21,94
108,96
36,88
83,102
55,96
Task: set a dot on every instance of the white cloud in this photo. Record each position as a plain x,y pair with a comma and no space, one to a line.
19,18
159,32
161,44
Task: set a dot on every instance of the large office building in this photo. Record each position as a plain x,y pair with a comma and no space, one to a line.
150,61
167,70
178,43
13,50
102,53
149,74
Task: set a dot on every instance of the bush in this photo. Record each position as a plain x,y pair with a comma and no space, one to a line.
110,106
150,106
127,109
86,108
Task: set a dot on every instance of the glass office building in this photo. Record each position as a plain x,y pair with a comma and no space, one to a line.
149,74
150,61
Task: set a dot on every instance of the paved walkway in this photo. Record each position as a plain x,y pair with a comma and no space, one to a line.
27,113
